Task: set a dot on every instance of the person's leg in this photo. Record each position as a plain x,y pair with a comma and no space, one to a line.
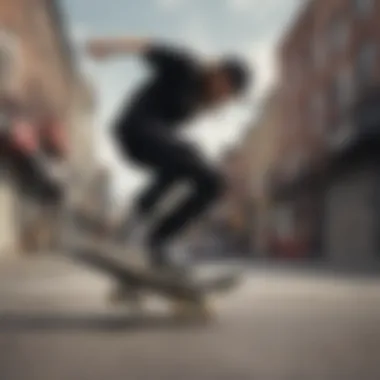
143,141
207,186
181,162
144,205
162,152
154,192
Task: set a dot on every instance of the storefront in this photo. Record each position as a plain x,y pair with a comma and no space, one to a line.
297,216
352,201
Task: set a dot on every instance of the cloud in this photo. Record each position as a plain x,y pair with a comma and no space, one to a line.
126,179
169,5
194,33
220,130
261,54
79,33
242,5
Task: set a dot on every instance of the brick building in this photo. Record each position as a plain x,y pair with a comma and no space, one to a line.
330,63
237,207
38,74
261,150
41,63
243,218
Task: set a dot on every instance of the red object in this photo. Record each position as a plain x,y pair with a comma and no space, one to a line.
24,137
291,248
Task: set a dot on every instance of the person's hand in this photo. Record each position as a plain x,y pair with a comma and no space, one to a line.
98,50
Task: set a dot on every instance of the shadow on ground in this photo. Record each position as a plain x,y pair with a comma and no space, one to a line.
21,322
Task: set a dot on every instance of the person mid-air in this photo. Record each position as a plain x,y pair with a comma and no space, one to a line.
146,130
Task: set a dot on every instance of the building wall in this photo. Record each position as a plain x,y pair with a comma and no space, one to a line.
39,75
227,221
350,231
330,58
246,205
235,167
294,55
319,59
43,72
262,149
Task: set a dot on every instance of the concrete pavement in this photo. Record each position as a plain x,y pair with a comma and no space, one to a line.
281,325
46,281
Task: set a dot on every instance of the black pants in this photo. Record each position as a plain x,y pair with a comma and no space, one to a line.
172,160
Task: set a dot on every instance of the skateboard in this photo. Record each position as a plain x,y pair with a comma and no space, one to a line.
188,297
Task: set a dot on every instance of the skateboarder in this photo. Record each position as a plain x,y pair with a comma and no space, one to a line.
180,88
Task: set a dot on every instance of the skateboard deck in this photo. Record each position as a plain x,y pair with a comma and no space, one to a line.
136,279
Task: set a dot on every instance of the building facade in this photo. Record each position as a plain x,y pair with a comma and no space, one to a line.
37,72
41,72
330,63
242,221
236,209
261,148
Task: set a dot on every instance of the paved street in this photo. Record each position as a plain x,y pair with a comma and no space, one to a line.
278,325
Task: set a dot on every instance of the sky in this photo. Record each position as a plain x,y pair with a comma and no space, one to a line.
249,28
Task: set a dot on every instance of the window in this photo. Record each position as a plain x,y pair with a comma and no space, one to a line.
340,99
363,7
365,63
319,53
338,34
294,70
318,112
5,68
341,92
344,89
333,92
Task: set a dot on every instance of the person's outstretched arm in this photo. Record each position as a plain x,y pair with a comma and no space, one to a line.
162,57
101,48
